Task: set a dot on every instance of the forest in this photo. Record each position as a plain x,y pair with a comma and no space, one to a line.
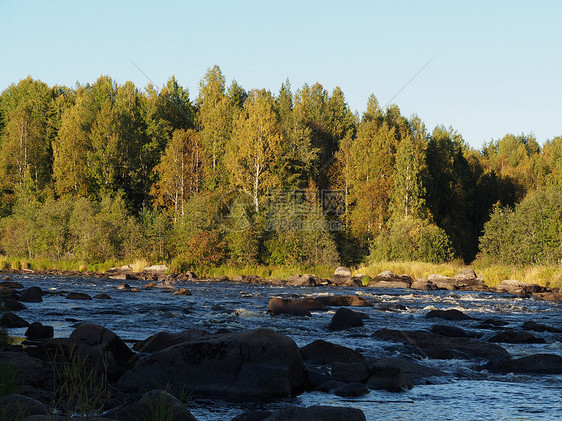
104,171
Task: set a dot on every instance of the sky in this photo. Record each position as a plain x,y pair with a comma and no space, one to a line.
491,67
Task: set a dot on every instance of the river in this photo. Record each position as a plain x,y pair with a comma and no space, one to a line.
466,393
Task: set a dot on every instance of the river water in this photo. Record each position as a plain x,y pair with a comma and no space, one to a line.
466,393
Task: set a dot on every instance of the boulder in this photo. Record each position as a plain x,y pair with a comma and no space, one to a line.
423,284
351,390
431,345
351,372
313,304
153,405
512,336
32,295
162,340
290,306
18,407
345,319
554,295
343,301
124,287
537,327
532,364
416,372
182,291
250,365
105,351
318,413
519,288
13,305
30,371
102,296
451,314
323,352
360,279
450,331
258,415
389,279
156,269
389,378
443,282
37,331
303,280
7,283
78,296
11,320
341,276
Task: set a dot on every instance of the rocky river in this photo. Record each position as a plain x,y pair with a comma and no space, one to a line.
443,354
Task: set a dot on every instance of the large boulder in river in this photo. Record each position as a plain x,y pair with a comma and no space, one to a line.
423,284
32,295
10,320
162,340
341,276
515,287
290,306
343,301
78,296
346,319
250,365
323,352
38,331
532,364
152,405
450,314
104,350
465,280
303,280
513,336
389,279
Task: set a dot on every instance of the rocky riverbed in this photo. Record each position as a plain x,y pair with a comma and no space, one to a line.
390,347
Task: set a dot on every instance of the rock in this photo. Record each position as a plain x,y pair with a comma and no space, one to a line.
537,327
32,295
341,276
423,284
329,386
156,268
389,378
345,319
313,304
18,407
389,279
323,352
182,291
354,389
102,297
105,350
162,340
450,331
7,283
30,371
442,282
38,331
351,372
252,416
533,364
303,280
343,301
124,287
389,284
451,314
519,288
239,278
154,405
317,413
360,279
430,345
13,305
512,336
549,295
417,373
11,320
78,296
250,365
290,306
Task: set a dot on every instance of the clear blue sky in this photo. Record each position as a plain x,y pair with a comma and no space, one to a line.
496,68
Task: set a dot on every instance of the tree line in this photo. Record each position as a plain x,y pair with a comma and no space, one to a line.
107,171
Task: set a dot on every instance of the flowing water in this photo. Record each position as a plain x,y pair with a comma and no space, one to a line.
466,393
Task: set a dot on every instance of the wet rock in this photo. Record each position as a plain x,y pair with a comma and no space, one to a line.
250,365
519,288
315,377
435,346
450,331
323,352
152,405
532,364
329,386
303,280
343,301
11,320
290,306
351,390
37,331
417,373
124,287
32,295
351,372
7,283
18,407
13,305
78,296
182,291
346,319
537,327
451,314
162,340
423,284
512,336
313,304
317,413
252,416
389,279
105,350
102,297
389,378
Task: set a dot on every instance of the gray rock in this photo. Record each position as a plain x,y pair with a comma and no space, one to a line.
32,295
351,372
323,352
343,301
11,320
162,340
351,390
346,319
451,314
